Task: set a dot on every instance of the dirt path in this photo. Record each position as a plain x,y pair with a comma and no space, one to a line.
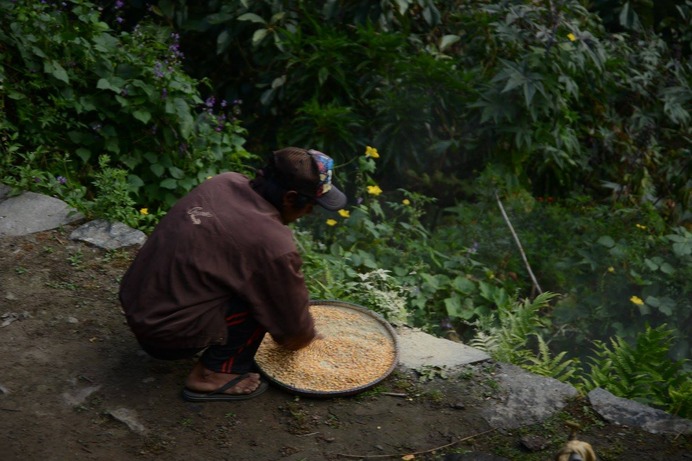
74,385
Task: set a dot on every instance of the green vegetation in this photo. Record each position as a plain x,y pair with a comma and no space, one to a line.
574,117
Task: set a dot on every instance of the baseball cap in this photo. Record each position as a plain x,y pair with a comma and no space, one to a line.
310,173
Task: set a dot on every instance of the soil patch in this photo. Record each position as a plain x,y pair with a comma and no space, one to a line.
75,385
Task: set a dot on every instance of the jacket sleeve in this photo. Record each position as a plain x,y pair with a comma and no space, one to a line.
280,299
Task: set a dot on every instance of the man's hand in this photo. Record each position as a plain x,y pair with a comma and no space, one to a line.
299,343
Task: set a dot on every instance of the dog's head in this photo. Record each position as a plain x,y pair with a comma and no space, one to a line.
576,450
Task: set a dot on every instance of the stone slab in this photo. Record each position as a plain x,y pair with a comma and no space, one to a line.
626,412
30,212
108,235
418,349
526,398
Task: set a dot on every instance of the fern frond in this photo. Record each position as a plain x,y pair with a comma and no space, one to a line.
642,372
484,342
545,364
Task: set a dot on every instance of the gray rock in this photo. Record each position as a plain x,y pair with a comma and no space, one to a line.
79,396
418,349
4,191
9,317
527,398
30,212
108,235
630,413
534,442
129,418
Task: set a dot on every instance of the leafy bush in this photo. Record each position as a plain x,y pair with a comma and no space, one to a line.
380,244
643,371
507,332
539,88
618,268
75,90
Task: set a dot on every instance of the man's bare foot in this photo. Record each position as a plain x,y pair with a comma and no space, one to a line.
201,379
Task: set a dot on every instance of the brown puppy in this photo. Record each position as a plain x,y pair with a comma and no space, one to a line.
575,450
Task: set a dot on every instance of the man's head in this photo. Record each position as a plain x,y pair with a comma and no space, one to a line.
304,177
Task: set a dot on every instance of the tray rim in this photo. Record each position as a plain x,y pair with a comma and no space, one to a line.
353,390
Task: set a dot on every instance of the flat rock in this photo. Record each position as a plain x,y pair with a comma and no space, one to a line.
626,412
30,212
525,398
418,349
129,418
79,396
108,235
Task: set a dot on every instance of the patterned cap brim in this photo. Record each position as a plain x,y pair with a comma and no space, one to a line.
333,200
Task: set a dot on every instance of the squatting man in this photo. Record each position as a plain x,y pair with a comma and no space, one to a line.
221,270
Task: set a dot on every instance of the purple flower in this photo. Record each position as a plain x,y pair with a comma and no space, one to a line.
119,4
446,323
164,93
158,70
211,100
61,180
119,20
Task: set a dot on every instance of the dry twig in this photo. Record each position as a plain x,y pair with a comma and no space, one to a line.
399,455
516,239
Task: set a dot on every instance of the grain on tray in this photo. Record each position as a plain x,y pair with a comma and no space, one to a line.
354,352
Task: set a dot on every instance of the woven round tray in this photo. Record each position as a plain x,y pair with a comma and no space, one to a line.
359,349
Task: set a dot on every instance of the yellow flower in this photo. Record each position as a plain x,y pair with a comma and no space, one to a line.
571,37
374,190
636,300
639,226
611,269
406,201
344,213
371,152
331,222
144,211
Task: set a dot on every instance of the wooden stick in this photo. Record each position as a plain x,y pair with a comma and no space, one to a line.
516,239
395,394
399,455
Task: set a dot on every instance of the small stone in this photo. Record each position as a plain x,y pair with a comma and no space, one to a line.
72,320
79,396
534,442
459,406
129,418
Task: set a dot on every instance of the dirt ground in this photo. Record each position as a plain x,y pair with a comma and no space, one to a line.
72,378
